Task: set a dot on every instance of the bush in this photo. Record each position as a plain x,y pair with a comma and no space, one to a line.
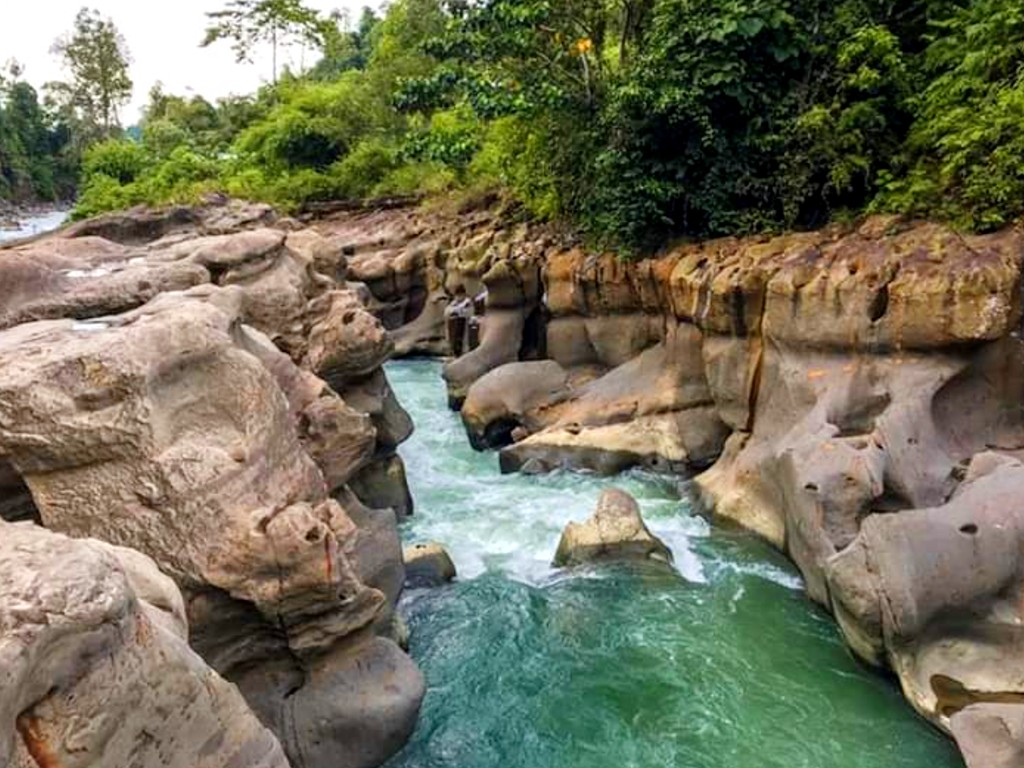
315,124
102,193
515,155
122,161
965,154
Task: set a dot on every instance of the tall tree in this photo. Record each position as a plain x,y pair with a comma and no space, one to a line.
96,57
248,23
32,143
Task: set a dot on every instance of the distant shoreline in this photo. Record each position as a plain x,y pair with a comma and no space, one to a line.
14,215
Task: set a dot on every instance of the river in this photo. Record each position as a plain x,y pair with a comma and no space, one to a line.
721,663
34,224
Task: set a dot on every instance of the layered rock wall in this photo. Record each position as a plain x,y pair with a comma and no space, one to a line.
199,386
857,392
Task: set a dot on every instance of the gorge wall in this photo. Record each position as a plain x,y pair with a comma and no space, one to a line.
202,390
853,395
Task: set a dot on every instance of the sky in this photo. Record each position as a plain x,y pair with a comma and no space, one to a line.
163,37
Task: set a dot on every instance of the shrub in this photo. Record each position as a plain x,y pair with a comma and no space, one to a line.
123,161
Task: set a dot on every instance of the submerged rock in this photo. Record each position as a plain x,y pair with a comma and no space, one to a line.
427,565
616,531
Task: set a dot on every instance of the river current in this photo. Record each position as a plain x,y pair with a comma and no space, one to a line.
33,225
719,663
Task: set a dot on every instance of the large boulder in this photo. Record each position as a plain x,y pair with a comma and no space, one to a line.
654,411
616,531
382,484
427,564
96,670
512,396
358,707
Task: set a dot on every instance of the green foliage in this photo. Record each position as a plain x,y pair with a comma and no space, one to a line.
345,49
247,23
101,193
965,153
634,120
513,56
747,116
315,124
123,161
32,145
452,138
96,57
515,156
119,174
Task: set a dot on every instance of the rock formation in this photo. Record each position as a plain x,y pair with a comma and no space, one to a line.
616,531
187,383
856,392
427,565
95,667
204,385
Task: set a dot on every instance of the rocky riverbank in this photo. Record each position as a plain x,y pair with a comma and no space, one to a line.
12,215
853,395
203,387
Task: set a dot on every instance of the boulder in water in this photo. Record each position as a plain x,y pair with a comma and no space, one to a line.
427,565
615,531
511,397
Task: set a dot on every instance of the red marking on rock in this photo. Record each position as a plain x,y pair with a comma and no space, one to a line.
35,742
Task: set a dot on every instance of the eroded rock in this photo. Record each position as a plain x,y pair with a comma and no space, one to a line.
616,531
857,390
191,426
427,565
95,668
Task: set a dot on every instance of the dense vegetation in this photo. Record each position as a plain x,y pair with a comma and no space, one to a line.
635,120
33,146
42,141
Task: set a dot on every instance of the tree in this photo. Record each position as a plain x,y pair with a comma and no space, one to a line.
97,58
33,143
345,48
247,23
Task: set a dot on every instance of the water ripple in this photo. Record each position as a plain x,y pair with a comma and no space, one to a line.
722,663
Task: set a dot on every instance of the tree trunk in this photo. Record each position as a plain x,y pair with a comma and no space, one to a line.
273,46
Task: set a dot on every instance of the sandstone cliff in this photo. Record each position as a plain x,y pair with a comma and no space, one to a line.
202,385
854,395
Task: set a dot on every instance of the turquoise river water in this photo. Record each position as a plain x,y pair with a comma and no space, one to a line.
721,663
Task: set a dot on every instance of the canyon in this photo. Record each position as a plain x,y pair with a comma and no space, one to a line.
205,386
853,395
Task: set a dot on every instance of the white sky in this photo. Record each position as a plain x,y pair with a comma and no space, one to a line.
163,37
